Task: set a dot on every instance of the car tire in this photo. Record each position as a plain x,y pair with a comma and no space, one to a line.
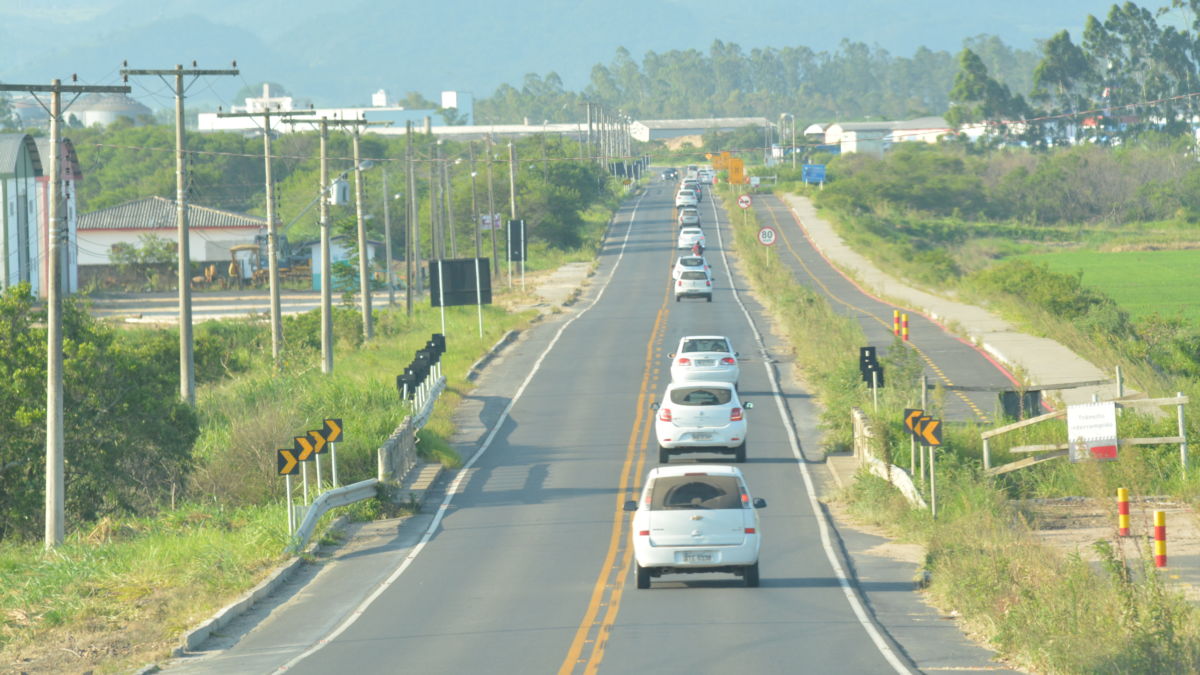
739,453
750,574
709,297
643,576
677,298
664,455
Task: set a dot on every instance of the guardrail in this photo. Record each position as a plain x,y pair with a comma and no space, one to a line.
864,442
395,458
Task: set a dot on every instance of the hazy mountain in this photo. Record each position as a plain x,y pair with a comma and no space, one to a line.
340,52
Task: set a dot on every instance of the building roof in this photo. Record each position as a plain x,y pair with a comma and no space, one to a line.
921,123
158,213
704,123
69,169
10,149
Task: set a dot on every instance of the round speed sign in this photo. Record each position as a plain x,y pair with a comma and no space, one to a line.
766,236
744,201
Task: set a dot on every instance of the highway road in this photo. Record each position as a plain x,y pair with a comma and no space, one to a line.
948,360
521,563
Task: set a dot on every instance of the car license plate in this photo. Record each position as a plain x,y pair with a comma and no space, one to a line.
705,362
697,556
701,436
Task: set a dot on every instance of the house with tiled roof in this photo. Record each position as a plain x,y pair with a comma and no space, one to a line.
211,231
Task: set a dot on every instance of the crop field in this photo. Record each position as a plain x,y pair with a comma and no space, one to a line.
1141,282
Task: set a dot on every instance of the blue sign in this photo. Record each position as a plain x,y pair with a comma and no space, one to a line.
813,173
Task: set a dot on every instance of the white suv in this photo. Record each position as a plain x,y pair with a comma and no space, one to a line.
694,519
693,284
701,417
686,198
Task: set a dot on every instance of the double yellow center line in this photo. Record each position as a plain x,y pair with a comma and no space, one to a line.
591,637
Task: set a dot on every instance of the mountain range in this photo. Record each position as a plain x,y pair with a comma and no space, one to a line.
339,53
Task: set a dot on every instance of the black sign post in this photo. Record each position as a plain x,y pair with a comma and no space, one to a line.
517,250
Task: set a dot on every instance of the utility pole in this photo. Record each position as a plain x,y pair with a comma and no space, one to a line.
387,239
410,239
449,196
272,235
512,202
434,248
364,277
326,266
492,210
475,203
187,373
55,457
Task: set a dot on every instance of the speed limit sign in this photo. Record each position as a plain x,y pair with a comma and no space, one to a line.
744,201
766,236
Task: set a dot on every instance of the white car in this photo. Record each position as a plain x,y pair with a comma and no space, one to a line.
706,176
686,263
686,198
688,237
701,417
689,217
693,284
693,185
707,358
696,519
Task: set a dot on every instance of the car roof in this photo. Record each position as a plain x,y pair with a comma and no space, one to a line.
691,257
699,383
704,337
689,230
684,469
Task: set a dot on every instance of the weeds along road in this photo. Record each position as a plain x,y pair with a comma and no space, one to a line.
521,563
948,360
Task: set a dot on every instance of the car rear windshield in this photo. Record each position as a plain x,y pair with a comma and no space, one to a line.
706,345
695,276
701,395
695,492
694,261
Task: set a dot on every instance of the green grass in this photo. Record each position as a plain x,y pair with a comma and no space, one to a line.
1141,282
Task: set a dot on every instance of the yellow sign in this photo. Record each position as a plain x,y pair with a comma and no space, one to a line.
333,430
304,447
318,441
286,462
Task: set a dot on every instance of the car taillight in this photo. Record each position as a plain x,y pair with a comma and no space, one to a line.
735,415
728,361
664,414
680,282
684,361
643,533
707,282
750,530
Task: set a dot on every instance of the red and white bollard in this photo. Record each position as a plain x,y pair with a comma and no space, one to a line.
1160,539
1122,512
896,322
904,326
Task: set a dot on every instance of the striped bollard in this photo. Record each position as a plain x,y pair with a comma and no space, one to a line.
1122,512
1160,539
896,322
904,326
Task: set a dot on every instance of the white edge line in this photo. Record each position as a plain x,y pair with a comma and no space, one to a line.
793,440
454,485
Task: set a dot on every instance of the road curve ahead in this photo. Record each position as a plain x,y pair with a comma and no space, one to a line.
524,565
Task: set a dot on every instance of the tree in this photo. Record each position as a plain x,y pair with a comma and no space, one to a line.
976,97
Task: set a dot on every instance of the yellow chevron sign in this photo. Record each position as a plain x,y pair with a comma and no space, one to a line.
318,441
304,447
333,430
286,462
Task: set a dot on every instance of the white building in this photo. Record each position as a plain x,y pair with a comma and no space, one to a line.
876,137
211,232
378,111
651,130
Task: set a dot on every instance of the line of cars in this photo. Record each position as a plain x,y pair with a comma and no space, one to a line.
697,518
692,280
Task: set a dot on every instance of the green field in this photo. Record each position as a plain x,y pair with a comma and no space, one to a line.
1141,282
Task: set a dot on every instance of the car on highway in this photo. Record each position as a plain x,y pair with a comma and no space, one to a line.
685,263
686,198
689,217
688,237
670,174
693,185
693,284
706,176
701,417
696,519
705,358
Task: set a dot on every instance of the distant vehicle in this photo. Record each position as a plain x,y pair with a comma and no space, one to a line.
693,284
686,198
704,357
687,263
693,185
689,217
701,417
693,519
706,176
670,174
688,237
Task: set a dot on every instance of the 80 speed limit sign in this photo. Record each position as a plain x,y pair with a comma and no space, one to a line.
766,236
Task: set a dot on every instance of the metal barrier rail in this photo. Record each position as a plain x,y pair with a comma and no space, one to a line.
327,501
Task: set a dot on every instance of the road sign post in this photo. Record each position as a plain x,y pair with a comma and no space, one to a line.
766,235
286,462
333,434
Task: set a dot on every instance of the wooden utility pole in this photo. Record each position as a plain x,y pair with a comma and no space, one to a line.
387,239
475,204
272,235
187,372
512,203
410,240
326,266
364,275
492,210
55,456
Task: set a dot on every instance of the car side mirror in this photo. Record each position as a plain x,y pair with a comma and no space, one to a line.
759,503
671,355
748,405
654,406
737,355
631,505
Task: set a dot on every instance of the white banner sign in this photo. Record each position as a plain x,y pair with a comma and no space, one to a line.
1092,430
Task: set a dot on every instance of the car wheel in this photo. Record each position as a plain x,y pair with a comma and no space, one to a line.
664,455
750,574
710,297
677,298
739,453
643,576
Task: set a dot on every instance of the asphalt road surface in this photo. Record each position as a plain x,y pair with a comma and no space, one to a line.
948,360
522,565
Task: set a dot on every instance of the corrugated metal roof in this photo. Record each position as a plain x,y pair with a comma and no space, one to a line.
71,168
10,148
158,213
704,123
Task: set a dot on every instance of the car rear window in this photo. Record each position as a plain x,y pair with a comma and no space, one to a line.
705,345
695,492
701,396
691,262
691,230
694,276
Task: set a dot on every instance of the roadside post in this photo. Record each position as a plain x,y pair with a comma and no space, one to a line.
1160,539
1122,512
333,434
911,415
904,326
896,322
744,201
285,461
